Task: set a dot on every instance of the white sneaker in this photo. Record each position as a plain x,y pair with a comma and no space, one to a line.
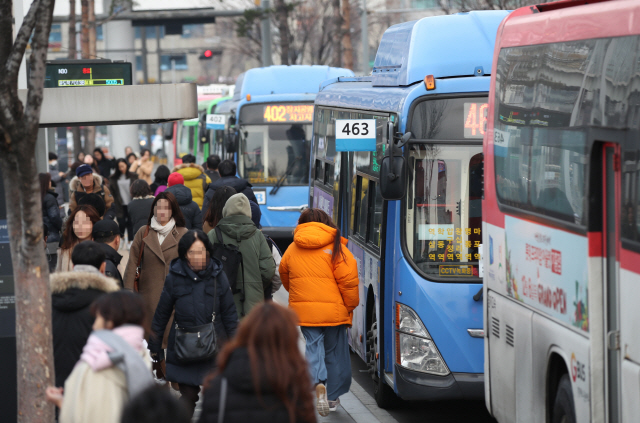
333,405
129,245
322,404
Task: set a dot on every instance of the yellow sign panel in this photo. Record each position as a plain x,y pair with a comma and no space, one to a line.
455,270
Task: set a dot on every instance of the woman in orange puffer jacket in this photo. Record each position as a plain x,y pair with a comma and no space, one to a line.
321,276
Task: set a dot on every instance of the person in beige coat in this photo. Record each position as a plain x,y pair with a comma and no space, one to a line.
166,226
98,389
143,166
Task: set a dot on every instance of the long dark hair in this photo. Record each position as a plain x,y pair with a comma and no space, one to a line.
320,216
220,197
162,175
45,180
270,335
116,174
176,213
69,238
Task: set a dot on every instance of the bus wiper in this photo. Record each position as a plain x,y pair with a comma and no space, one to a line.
278,184
478,295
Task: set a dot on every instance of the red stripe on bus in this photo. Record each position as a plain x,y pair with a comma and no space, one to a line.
595,244
629,260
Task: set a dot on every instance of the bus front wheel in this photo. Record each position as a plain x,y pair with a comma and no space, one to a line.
563,410
384,395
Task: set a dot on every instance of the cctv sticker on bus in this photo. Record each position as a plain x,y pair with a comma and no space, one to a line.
356,135
215,121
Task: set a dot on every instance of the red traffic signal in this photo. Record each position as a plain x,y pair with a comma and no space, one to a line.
207,55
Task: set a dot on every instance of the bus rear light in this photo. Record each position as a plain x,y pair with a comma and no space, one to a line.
430,82
415,348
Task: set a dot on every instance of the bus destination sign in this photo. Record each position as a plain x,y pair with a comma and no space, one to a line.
87,73
288,113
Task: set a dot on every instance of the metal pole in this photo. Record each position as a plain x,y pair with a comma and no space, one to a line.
266,35
365,39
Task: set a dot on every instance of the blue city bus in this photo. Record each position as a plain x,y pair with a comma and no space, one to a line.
410,204
269,122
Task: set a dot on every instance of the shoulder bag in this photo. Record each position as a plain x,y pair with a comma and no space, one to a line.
197,343
136,280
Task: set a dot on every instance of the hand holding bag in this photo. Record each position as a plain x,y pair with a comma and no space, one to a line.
197,343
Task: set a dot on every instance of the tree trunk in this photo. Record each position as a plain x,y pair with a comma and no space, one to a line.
337,35
18,135
347,47
73,53
282,17
84,34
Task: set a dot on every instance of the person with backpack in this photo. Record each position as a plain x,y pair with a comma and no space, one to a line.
198,290
321,276
254,266
113,366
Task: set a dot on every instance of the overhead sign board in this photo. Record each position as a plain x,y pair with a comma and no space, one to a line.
87,73
356,135
216,121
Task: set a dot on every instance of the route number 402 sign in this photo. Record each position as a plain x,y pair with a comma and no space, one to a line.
356,135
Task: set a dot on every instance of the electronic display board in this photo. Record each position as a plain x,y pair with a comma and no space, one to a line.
276,113
87,73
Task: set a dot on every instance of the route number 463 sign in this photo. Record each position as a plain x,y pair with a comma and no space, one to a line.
356,135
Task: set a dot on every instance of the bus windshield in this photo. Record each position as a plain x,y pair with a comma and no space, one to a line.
274,152
444,202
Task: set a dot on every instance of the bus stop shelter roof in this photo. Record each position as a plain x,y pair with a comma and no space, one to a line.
120,105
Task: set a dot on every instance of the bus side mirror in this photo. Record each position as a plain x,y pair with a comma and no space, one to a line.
393,177
167,130
393,171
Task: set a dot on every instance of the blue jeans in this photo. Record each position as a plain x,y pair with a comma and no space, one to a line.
327,352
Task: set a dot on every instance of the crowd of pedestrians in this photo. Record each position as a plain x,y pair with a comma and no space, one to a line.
191,305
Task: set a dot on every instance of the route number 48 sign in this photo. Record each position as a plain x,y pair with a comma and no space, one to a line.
355,135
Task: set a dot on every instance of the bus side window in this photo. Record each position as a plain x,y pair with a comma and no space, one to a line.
375,214
356,188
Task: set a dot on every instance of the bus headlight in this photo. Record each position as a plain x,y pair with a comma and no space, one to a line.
415,349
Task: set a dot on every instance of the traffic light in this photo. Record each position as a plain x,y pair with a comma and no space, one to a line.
206,55
458,207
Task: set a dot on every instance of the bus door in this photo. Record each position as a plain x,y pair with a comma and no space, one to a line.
610,253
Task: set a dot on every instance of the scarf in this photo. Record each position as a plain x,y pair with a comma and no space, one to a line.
96,353
162,231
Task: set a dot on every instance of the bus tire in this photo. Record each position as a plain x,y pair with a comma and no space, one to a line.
383,393
563,407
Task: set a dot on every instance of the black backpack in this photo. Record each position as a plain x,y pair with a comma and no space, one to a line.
231,259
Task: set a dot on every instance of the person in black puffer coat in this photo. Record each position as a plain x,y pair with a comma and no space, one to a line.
195,287
139,208
264,353
72,294
227,171
190,210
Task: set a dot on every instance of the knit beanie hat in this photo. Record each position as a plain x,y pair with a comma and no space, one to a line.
237,204
175,179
